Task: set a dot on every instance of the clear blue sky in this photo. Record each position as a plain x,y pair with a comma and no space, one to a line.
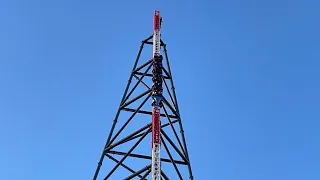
247,74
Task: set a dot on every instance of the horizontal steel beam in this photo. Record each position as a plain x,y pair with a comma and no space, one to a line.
146,157
150,75
148,112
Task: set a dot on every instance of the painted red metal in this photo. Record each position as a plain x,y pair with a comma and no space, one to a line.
156,125
156,20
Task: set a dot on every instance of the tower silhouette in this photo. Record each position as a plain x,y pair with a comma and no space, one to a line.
129,145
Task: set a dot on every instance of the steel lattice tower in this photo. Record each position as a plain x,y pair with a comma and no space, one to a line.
133,153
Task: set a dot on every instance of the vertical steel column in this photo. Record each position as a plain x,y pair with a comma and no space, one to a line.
157,98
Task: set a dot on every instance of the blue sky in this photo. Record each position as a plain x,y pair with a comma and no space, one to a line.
246,75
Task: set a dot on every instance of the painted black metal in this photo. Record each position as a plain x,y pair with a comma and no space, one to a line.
127,138
173,145
142,66
146,174
118,112
138,173
139,135
164,175
171,159
129,169
134,99
177,153
150,75
149,112
173,129
136,85
146,157
127,154
177,108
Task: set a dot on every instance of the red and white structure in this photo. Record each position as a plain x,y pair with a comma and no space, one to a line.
157,97
128,157
156,33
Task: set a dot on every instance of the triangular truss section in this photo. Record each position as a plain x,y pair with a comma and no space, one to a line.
128,145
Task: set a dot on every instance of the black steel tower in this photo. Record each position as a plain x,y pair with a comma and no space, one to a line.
128,145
